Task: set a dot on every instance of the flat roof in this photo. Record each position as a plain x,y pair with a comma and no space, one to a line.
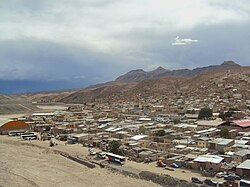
44,114
244,165
138,137
222,141
209,158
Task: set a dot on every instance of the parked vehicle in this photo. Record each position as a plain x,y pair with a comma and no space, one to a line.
210,182
220,184
29,136
71,140
160,163
101,155
174,165
92,151
220,175
196,180
229,178
15,133
244,183
115,158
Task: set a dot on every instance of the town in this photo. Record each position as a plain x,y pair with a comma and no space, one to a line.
215,145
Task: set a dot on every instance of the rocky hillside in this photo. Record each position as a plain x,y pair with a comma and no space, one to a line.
200,86
168,86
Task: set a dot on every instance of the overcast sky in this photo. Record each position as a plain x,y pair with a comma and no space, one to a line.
92,41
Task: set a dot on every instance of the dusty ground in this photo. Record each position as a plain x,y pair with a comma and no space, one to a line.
25,165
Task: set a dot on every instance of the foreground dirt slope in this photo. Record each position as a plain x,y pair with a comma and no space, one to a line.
22,165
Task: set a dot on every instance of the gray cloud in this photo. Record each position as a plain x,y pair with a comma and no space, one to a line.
96,40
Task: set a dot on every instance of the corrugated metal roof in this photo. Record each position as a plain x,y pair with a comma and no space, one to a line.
209,158
242,122
138,137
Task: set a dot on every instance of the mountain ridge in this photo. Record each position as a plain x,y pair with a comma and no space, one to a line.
139,74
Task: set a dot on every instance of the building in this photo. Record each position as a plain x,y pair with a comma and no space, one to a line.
211,163
203,142
221,145
7,126
241,156
244,169
241,125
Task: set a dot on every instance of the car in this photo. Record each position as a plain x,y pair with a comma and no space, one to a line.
229,178
160,163
174,165
232,177
196,180
236,177
209,182
220,175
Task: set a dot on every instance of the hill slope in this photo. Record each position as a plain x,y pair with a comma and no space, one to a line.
168,86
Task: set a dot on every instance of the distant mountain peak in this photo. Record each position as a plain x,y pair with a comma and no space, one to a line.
158,70
229,63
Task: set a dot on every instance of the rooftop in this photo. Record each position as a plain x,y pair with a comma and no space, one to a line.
209,158
138,137
244,165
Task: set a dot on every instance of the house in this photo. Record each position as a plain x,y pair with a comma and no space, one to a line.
207,162
139,137
240,124
241,156
203,142
240,144
221,145
204,124
244,169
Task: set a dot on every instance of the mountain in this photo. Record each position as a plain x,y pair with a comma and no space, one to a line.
168,88
138,85
139,74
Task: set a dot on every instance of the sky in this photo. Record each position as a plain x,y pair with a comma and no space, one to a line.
61,44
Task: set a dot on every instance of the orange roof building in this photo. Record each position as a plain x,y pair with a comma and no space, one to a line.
12,126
